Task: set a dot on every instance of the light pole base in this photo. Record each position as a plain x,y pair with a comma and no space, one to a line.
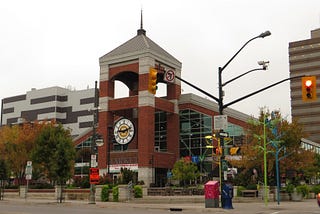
92,196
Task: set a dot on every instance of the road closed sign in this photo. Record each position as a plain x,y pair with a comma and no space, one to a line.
94,175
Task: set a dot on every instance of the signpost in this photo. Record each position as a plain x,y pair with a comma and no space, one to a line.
28,173
29,170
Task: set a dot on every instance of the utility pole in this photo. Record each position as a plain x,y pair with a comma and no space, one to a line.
93,149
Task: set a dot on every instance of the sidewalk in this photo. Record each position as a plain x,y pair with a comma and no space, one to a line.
306,206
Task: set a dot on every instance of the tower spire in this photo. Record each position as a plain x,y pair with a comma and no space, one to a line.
141,20
141,31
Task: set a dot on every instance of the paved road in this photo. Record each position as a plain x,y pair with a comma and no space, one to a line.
21,206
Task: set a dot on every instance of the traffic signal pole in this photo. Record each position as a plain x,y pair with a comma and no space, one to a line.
258,91
222,106
197,88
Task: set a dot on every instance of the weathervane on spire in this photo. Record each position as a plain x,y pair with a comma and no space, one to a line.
141,31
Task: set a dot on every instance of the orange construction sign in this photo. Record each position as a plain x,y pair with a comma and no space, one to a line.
94,175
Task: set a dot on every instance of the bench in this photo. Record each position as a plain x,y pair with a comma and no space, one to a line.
249,193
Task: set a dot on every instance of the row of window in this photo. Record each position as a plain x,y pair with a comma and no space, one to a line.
194,128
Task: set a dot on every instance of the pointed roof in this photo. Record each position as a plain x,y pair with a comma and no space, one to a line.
139,44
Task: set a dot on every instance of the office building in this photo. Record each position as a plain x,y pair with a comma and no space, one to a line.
69,107
304,59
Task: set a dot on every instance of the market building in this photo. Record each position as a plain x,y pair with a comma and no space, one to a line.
146,133
143,132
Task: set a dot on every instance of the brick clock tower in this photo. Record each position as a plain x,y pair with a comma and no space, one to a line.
153,135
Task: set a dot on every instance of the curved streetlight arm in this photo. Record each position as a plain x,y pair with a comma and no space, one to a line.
256,69
262,35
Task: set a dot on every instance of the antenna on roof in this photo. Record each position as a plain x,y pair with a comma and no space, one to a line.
141,31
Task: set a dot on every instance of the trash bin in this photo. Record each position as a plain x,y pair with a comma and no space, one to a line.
226,196
211,193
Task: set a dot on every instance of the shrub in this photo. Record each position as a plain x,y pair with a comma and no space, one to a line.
41,186
81,182
303,189
105,193
252,186
289,188
105,179
115,193
316,189
239,189
137,191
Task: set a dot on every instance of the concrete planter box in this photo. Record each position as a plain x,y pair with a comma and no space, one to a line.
296,196
284,196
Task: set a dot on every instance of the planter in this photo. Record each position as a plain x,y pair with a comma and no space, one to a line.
284,196
296,196
311,195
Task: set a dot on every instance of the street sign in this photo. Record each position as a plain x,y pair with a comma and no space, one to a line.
93,161
29,163
224,165
94,175
220,122
28,170
223,134
169,76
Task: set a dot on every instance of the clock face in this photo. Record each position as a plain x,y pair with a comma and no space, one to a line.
124,131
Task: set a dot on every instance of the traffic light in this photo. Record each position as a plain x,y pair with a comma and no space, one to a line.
152,84
309,88
216,150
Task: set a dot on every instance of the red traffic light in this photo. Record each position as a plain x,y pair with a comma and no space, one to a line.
308,83
309,88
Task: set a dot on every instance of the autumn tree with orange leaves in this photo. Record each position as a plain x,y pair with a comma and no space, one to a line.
16,144
278,131
47,144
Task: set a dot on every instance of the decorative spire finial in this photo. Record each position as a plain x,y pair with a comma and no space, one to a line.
141,20
141,31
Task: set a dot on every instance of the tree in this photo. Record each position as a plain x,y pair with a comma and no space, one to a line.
3,170
280,133
55,153
184,170
16,144
127,175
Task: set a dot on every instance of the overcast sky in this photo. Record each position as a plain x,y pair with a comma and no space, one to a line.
58,43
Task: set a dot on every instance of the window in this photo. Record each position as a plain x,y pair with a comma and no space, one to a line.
160,132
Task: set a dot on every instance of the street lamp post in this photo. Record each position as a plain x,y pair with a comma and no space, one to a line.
110,132
220,70
93,146
265,160
262,63
221,106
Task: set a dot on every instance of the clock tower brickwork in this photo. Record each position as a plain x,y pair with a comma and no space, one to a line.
130,64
